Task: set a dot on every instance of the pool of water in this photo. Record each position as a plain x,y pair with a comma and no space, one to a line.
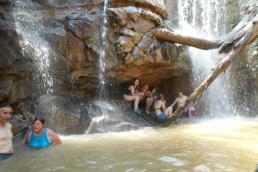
198,146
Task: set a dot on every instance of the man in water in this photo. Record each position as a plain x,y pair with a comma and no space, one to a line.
6,136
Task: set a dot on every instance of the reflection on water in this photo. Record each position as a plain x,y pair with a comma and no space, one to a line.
202,146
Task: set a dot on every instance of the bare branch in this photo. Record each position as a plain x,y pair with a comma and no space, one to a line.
238,47
168,35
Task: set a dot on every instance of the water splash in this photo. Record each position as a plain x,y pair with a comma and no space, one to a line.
35,47
110,118
102,123
201,17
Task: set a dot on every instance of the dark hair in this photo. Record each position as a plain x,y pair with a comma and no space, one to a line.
3,105
161,95
42,120
151,88
132,82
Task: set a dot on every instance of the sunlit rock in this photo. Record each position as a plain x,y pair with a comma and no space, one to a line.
136,37
124,44
81,24
156,6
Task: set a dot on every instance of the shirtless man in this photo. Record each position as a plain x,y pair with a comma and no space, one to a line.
180,100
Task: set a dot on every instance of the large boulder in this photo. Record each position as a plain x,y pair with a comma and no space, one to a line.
62,113
73,42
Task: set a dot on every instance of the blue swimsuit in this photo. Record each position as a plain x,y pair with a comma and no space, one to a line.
162,117
39,142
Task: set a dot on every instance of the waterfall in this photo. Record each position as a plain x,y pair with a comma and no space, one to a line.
202,18
29,25
102,51
112,117
103,122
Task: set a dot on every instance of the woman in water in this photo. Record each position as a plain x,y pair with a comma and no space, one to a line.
41,137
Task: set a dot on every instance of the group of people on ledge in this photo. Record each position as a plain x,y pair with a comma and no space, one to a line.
38,137
149,96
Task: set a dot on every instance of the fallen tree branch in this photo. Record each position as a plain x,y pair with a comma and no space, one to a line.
227,41
224,44
249,36
165,34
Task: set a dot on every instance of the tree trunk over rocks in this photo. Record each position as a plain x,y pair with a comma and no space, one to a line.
232,44
165,34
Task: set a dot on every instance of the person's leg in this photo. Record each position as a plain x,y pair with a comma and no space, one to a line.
129,98
169,112
149,102
136,102
142,103
187,113
135,99
4,156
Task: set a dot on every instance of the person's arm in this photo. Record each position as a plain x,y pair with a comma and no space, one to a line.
132,90
163,105
27,137
53,137
175,102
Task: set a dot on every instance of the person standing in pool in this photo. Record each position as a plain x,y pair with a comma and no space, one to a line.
41,137
6,136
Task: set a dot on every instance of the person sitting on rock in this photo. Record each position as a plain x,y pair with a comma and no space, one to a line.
150,99
180,100
41,137
143,98
144,91
133,95
162,112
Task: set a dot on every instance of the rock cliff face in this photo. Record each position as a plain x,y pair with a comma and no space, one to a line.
244,72
73,31
14,70
131,51
50,56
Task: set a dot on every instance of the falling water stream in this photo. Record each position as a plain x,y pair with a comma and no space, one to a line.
201,18
102,51
33,45
111,117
